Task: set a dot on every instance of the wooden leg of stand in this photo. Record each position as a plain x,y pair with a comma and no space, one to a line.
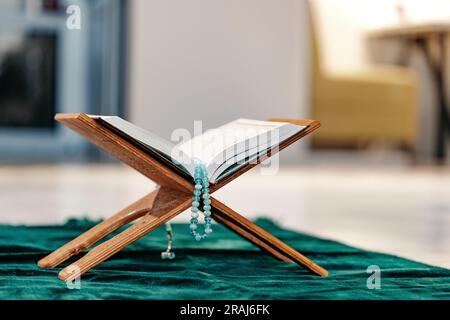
233,226
260,237
98,232
167,204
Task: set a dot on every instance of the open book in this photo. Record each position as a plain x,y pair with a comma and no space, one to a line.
222,150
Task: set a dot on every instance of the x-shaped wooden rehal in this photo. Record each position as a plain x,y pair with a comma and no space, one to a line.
173,197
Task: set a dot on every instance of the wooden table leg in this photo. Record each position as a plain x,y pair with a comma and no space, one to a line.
260,237
167,204
437,69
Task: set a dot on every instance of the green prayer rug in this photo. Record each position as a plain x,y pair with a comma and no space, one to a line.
222,267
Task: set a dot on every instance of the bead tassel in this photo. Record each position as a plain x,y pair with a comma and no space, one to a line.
200,195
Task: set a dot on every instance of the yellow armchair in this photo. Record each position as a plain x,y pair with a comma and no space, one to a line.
375,104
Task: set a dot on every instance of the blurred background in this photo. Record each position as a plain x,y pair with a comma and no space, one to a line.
376,175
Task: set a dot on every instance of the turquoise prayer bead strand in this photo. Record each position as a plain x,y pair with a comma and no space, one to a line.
200,196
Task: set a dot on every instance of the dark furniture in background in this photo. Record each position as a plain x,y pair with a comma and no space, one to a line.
28,82
46,68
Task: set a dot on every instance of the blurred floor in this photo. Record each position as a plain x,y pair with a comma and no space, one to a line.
398,209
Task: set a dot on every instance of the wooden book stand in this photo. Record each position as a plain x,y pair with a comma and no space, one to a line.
173,197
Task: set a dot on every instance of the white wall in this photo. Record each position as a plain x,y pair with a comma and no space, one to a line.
216,60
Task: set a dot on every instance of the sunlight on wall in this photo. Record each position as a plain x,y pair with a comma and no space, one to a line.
384,12
343,25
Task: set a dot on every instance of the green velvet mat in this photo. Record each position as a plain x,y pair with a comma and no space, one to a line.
224,267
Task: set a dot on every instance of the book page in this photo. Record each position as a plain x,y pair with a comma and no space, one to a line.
234,141
243,158
210,146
